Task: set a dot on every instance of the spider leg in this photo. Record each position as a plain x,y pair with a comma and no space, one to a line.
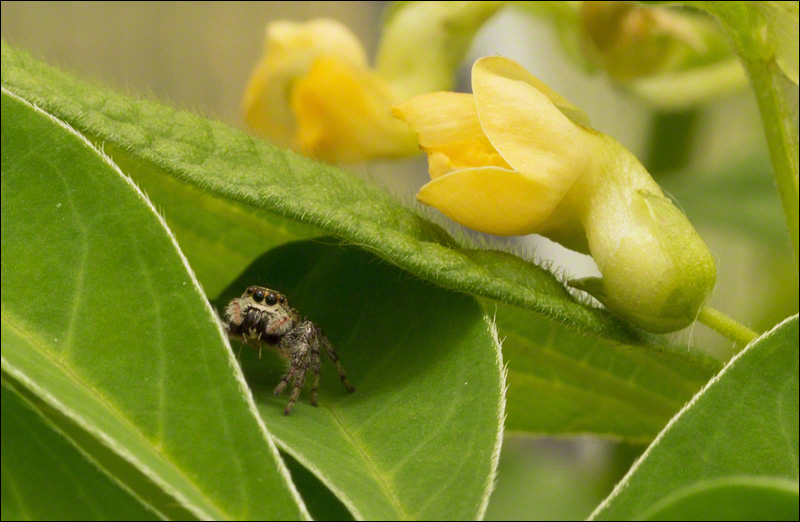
296,363
297,386
315,363
332,356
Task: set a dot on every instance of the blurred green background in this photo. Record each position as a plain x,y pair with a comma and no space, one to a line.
712,159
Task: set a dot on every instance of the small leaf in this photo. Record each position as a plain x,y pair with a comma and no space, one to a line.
104,323
46,478
743,424
418,438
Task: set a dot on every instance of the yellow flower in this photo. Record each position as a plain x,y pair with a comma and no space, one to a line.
517,158
313,91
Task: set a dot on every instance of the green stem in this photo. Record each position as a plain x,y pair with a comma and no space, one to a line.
781,138
727,327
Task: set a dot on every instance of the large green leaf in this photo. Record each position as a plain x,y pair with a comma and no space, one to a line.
734,448
221,234
229,164
104,323
559,382
562,383
419,437
46,478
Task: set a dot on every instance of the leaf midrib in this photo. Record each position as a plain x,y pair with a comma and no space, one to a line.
382,480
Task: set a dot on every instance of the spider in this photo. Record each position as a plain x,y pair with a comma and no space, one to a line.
265,316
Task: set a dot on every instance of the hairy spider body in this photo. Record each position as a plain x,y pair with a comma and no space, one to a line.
265,316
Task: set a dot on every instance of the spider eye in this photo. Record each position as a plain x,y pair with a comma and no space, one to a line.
271,299
282,299
258,296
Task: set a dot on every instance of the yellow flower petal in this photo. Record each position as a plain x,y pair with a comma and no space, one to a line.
439,164
565,181
441,118
526,127
514,71
490,199
449,130
343,114
289,51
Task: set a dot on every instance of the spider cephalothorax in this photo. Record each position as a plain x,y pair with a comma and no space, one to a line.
264,316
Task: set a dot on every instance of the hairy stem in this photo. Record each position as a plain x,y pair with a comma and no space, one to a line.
727,327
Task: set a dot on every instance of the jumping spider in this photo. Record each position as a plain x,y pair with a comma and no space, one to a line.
264,315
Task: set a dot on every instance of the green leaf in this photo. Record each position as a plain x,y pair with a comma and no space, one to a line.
103,322
219,237
419,437
731,498
221,234
735,442
561,383
231,165
46,478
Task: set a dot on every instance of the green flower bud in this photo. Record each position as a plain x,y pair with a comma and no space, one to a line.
657,271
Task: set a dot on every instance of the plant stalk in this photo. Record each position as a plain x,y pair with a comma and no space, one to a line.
783,149
727,327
